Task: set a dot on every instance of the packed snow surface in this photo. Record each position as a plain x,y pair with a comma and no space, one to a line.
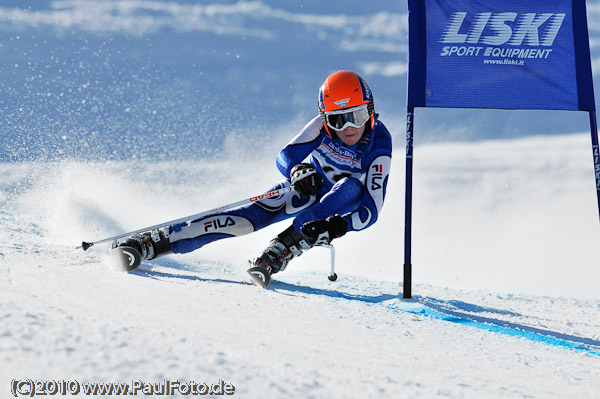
499,247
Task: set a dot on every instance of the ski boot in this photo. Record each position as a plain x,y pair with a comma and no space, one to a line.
277,255
290,243
128,255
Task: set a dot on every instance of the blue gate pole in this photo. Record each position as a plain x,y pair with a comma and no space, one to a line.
594,131
407,285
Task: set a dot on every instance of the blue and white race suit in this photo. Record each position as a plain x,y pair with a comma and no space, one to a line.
355,184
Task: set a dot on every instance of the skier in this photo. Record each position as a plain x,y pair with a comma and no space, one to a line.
338,165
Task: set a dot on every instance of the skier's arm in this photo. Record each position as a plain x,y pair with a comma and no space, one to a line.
300,147
377,172
373,195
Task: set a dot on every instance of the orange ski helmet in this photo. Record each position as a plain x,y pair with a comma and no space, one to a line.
344,89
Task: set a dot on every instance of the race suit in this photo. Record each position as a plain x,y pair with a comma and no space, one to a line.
355,180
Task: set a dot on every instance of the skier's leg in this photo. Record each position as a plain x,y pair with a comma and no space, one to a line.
147,246
192,235
276,256
342,198
237,222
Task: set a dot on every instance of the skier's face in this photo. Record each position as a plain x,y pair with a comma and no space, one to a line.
351,135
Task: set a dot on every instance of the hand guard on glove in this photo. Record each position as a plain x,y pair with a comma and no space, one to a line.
306,180
322,232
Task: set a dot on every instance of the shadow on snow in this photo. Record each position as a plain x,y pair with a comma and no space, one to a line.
454,311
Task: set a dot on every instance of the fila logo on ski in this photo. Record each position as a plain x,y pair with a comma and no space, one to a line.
529,29
218,223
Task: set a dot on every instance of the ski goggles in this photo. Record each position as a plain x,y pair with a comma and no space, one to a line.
341,119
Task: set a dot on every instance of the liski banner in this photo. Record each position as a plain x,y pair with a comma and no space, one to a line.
504,54
509,54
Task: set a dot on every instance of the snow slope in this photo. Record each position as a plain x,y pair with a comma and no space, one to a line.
499,310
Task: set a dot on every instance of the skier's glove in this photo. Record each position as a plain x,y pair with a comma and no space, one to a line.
321,232
306,180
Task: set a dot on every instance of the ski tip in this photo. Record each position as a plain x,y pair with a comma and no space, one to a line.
260,276
125,258
86,245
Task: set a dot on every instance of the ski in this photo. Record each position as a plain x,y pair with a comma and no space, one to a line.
260,276
125,258
85,244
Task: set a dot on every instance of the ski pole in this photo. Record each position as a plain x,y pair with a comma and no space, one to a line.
85,245
332,276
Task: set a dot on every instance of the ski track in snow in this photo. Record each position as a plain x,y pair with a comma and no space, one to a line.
65,315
